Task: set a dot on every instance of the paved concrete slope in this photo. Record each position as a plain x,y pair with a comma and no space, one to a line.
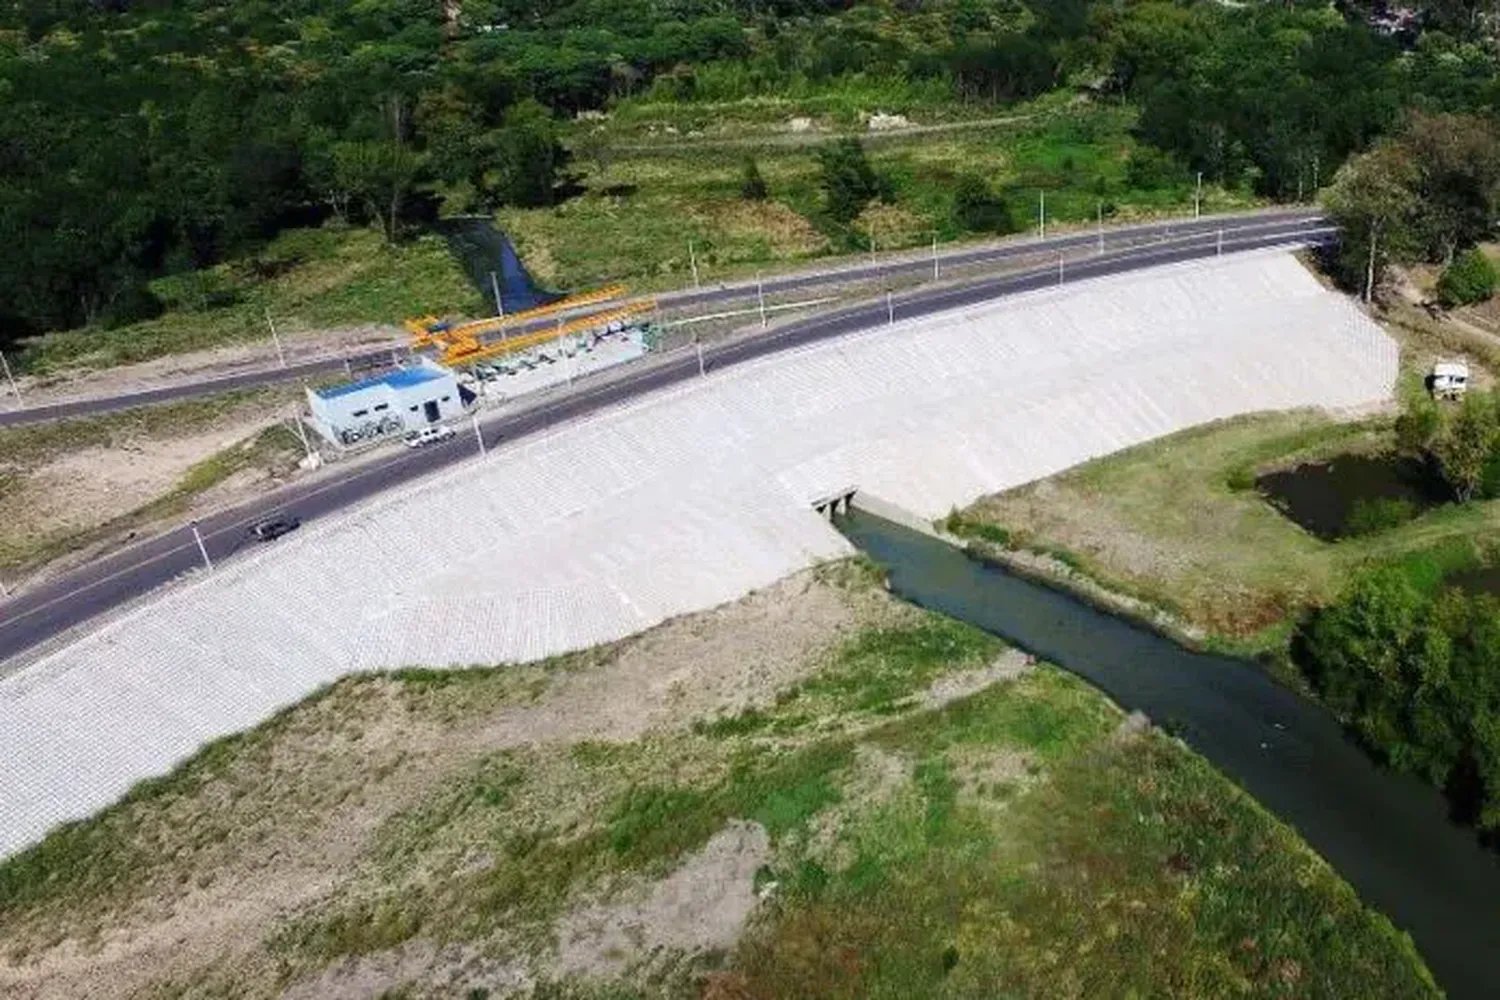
678,501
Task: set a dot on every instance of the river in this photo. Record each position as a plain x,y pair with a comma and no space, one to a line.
1389,835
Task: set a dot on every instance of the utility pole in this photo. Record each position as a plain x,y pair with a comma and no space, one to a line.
760,296
1370,268
302,435
1315,175
1101,227
474,418
693,260
1219,248
934,257
698,344
1060,258
1042,215
1198,198
890,308
275,339
495,286
202,549
20,403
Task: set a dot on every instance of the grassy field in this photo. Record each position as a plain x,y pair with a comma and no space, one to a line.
1177,523
647,194
60,506
897,806
309,279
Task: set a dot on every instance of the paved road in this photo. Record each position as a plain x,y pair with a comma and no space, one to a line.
860,271
73,598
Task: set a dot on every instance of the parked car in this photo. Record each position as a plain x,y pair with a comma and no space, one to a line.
274,526
428,435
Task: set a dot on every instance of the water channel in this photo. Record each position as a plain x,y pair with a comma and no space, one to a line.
1387,834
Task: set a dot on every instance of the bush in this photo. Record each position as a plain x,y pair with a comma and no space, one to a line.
1470,278
848,181
752,184
134,304
1373,515
979,209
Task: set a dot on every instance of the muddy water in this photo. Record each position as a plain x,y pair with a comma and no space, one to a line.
1387,834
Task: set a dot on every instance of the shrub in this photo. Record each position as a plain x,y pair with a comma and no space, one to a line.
1470,278
1378,514
752,184
979,209
848,181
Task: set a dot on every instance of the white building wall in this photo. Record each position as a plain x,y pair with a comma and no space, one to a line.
677,502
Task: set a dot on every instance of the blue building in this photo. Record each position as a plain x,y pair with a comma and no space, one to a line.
397,402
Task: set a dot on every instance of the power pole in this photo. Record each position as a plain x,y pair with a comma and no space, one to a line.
934,257
202,549
1198,198
693,260
1370,268
474,417
890,308
1042,215
760,296
1219,247
1101,227
275,339
698,344
20,403
1060,257
499,305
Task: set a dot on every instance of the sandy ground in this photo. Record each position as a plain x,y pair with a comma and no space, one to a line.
65,493
322,787
198,365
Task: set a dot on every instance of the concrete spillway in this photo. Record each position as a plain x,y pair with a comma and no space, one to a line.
675,503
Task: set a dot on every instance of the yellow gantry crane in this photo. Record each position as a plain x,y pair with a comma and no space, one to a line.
460,344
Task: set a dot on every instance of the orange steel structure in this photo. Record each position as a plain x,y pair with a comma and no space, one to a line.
461,346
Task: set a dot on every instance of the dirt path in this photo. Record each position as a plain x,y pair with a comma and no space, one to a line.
815,137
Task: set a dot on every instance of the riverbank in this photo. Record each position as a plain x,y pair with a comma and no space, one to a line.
818,788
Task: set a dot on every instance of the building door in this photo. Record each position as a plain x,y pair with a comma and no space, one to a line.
430,410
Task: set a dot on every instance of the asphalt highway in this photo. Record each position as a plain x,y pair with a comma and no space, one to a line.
862,271
69,600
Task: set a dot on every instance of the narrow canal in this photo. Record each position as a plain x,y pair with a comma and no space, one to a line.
1387,834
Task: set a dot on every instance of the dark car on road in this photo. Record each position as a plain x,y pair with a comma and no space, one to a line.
274,527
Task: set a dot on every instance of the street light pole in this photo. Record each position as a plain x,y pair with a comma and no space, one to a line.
20,403
202,549
280,355
474,418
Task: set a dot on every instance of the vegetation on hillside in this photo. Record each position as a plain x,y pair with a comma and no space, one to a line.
907,810
144,140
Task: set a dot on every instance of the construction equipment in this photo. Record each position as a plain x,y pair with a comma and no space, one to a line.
460,348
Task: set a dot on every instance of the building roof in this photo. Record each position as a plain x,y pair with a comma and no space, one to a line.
401,378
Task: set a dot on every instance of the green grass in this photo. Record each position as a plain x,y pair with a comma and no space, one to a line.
1006,844
643,204
1177,523
309,279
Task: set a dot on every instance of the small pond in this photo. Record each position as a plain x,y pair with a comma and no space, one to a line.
1353,494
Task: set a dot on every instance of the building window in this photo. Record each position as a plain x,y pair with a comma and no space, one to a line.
359,413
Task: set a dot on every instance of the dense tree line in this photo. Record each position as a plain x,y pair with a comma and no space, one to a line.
1414,669
144,137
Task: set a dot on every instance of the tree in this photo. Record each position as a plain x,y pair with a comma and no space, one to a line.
527,157
979,209
847,179
1466,444
1373,199
1457,158
1470,278
379,173
752,184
